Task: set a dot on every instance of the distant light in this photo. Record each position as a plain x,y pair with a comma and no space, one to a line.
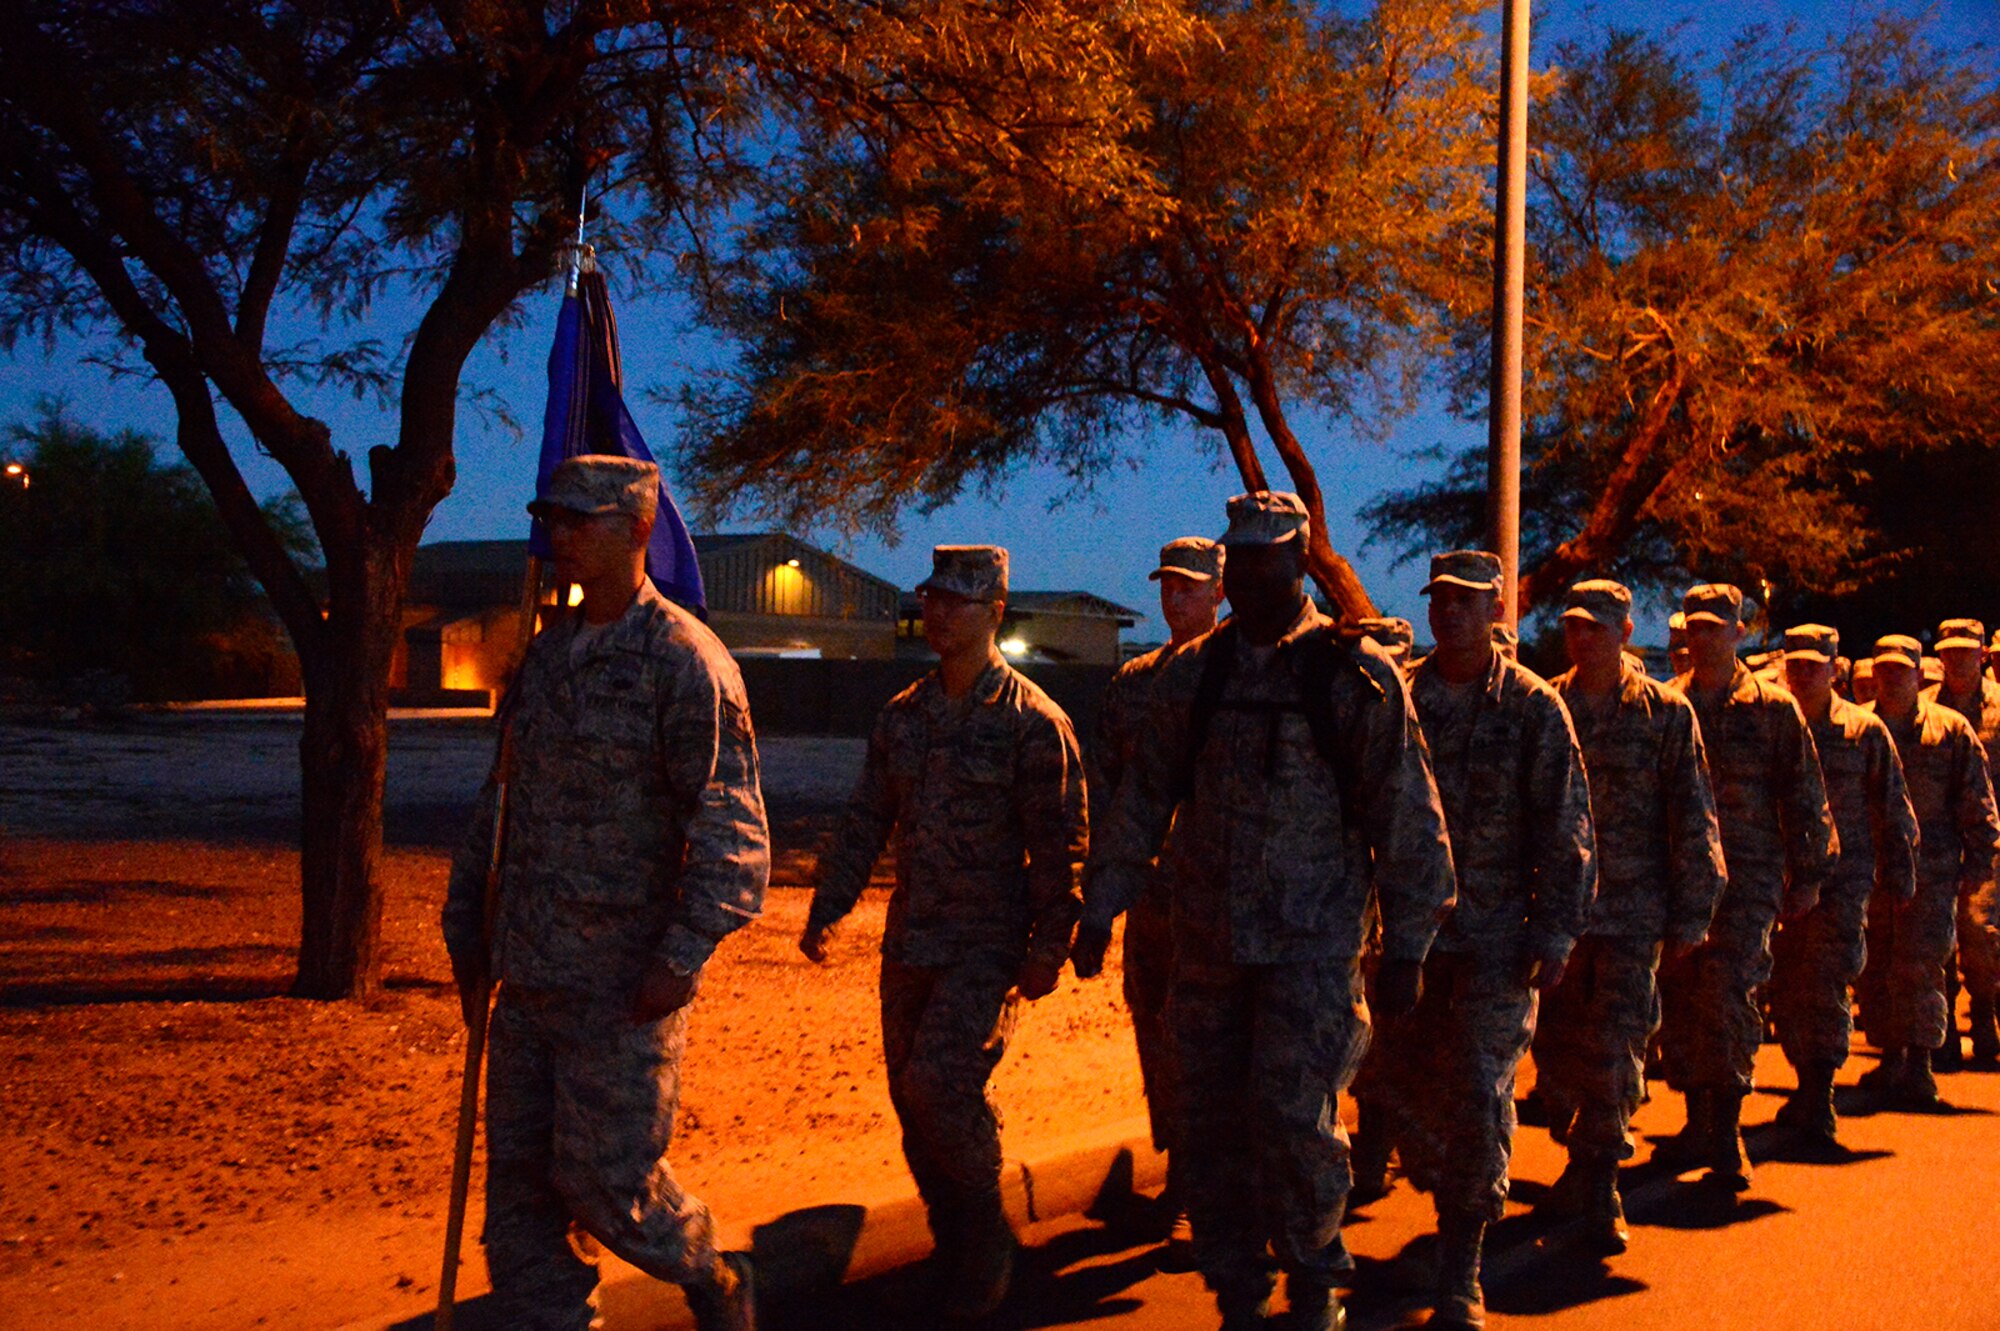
15,471
1014,647
575,595
791,563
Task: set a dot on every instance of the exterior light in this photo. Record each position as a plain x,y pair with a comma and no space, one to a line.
17,472
791,563
1014,647
575,595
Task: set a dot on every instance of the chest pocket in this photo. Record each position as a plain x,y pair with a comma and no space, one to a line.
615,709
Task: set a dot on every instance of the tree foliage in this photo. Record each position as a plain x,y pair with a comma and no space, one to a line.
1265,212
1750,289
117,563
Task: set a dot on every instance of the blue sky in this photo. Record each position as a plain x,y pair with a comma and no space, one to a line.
1104,541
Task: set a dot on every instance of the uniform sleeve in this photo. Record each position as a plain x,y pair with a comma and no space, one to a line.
1696,870
1402,817
1139,810
1894,819
1811,843
465,895
864,832
1054,804
1106,754
709,755
1978,826
1562,842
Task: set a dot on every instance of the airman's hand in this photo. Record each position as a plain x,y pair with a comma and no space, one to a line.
663,991
1399,984
1037,979
813,943
1086,955
473,990
1543,973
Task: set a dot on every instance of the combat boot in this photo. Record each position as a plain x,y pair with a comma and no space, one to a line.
727,1300
1566,1194
1985,1032
1946,1057
1728,1162
1915,1086
1459,1304
1881,1080
1368,1158
1243,1302
979,1266
1808,1114
1311,1304
1689,1147
1603,1232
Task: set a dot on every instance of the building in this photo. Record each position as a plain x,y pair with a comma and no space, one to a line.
769,594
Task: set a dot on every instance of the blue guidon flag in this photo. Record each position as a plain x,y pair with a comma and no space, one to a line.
587,414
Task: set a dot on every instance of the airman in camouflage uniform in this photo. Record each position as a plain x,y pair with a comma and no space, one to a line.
1779,841
976,775
1659,875
1286,759
1817,957
1190,578
1967,691
1511,777
1677,643
1910,944
636,840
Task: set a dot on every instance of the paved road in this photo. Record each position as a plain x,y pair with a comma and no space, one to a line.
1903,1233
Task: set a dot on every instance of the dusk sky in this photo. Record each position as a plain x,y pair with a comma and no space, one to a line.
1103,542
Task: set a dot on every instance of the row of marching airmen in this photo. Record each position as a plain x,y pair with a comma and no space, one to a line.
1339,871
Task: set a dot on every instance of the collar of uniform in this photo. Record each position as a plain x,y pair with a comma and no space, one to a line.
985,689
626,632
1492,686
1305,621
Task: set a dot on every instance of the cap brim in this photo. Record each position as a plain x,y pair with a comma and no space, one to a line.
1705,617
1228,541
1949,643
1804,654
540,508
1447,580
1579,612
1895,659
1166,569
933,585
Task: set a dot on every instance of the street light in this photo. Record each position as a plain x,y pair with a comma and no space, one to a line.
17,472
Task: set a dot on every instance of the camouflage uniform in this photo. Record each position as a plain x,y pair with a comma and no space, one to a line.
1817,957
1778,840
1978,938
1512,781
636,836
1659,875
984,798
1274,857
1909,945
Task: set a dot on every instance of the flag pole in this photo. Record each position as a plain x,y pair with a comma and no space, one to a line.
1503,418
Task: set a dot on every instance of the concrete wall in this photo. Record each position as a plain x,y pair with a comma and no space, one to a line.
844,697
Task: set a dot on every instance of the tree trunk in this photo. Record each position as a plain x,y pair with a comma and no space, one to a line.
343,760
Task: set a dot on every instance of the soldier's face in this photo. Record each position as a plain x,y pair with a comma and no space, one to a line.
589,546
953,624
1188,604
1462,617
1712,645
1811,682
1961,668
1896,684
1862,684
1263,581
1591,645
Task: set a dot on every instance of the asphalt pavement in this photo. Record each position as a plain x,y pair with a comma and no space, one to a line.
1902,1231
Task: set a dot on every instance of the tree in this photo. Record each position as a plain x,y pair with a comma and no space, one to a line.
118,563
1749,290
205,177
1271,217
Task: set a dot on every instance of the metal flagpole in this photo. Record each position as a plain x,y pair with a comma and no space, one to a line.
1503,475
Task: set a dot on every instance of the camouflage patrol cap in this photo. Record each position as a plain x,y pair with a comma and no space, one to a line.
595,483
1715,602
1388,632
1899,649
976,572
1265,517
1601,601
1961,633
1864,666
1477,569
1677,622
1194,557
1933,670
1812,642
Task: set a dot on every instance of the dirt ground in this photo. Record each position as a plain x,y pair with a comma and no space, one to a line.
182,1146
